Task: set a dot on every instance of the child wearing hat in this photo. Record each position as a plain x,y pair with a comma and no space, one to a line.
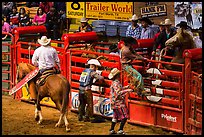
85,93
120,110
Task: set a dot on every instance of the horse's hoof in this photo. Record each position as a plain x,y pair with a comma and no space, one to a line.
39,122
37,118
68,129
57,125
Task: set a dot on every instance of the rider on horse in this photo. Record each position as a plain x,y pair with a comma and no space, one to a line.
45,58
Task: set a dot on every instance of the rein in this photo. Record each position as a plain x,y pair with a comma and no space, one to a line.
29,48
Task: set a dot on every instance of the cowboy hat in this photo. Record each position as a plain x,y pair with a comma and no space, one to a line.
44,41
113,73
129,40
94,62
134,18
84,19
183,24
161,23
113,47
147,20
167,22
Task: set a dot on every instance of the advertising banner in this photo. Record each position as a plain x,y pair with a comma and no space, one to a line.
191,12
109,10
75,9
154,11
101,106
27,78
26,96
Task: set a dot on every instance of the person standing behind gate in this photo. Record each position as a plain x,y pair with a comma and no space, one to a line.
24,19
134,30
85,93
39,18
120,110
166,33
147,32
85,27
14,17
53,23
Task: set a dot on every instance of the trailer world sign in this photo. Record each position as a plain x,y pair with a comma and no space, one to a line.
153,11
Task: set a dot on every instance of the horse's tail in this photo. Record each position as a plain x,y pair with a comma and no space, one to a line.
65,101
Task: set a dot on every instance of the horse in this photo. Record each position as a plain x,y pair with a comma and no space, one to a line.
182,40
56,87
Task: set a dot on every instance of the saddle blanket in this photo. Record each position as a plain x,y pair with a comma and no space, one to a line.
27,78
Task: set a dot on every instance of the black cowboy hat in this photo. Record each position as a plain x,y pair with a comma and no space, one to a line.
183,24
113,47
129,40
146,20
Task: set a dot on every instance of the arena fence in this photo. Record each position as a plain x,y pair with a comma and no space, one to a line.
176,101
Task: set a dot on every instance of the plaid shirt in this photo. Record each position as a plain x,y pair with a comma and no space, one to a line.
136,32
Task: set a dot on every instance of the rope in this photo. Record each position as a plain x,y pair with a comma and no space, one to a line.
29,51
4,37
160,55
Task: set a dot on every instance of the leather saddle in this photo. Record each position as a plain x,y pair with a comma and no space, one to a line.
41,79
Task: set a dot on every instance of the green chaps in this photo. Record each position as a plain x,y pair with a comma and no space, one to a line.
136,78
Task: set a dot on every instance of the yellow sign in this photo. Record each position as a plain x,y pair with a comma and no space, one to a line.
109,10
26,96
75,9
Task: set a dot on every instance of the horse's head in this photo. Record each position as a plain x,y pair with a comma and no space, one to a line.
181,39
22,70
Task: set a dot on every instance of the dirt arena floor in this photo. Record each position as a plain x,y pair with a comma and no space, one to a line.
18,119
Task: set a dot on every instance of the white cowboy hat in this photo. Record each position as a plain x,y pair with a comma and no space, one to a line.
94,62
161,23
84,19
134,17
44,41
113,72
167,22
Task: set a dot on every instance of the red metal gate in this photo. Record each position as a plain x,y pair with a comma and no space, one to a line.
166,86
193,85
76,65
180,106
7,62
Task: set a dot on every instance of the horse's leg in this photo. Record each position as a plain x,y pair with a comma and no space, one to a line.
59,107
66,123
62,116
38,113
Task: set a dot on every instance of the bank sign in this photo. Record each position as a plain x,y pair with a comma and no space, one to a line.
101,106
153,11
100,10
